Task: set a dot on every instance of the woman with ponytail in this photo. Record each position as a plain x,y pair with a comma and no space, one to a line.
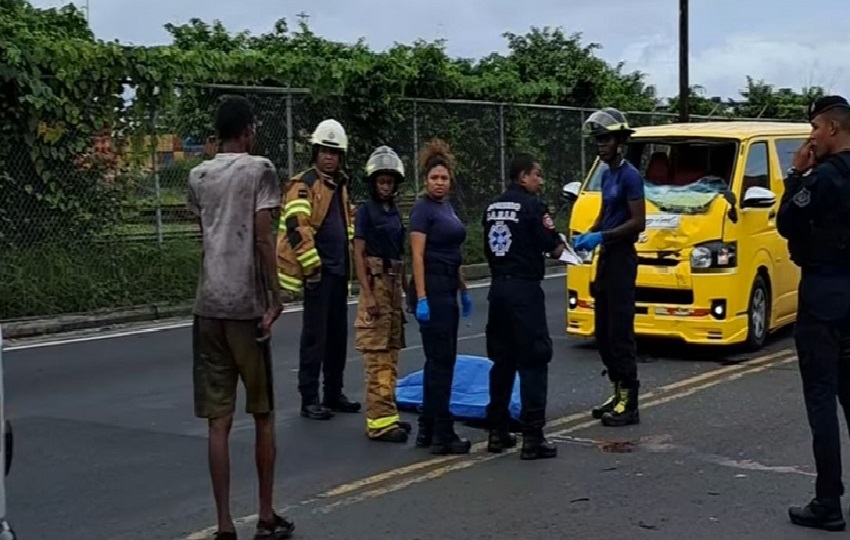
436,237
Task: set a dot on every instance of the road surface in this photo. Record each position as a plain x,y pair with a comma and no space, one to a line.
107,448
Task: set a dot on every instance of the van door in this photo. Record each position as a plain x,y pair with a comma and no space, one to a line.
759,244
788,273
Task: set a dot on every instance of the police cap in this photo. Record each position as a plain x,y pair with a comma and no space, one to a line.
827,103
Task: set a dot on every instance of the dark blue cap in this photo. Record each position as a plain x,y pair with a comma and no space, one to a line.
827,103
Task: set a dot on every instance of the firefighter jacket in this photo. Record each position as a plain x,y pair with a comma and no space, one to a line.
306,200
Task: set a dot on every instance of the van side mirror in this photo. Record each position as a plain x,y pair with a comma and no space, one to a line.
570,191
758,197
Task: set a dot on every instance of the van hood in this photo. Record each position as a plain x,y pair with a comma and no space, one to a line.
674,231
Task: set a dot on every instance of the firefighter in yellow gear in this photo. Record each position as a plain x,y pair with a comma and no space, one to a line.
379,326
314,256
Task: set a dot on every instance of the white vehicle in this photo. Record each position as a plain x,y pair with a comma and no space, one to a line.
6,449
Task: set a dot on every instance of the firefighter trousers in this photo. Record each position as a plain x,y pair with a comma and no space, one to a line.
379,338
518,342
614,311
324,336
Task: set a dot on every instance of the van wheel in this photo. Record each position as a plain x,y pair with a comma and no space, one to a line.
758,315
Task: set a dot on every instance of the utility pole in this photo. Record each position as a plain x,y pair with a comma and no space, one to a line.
684,87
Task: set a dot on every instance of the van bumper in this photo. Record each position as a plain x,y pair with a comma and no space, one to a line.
693,325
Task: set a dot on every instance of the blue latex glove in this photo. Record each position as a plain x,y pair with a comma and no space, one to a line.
466,303
587,242
423,314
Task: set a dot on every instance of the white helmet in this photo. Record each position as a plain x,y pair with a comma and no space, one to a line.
330,133
384,159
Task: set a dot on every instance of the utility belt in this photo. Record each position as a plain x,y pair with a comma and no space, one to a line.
377,266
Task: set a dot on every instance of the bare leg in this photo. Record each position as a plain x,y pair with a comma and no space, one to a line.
265,454
219,462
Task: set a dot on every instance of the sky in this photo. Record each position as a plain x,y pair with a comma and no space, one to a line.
789,44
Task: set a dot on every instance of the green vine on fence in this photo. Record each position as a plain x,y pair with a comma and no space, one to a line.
66,124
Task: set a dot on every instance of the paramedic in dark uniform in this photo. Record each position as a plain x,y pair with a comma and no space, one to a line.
813,216
517,232
622,217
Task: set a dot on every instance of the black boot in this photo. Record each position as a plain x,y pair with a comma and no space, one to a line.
395,435
405,426
608,406
535,446
499,440
450,445
625,412
341,403
822,514
316,411
426,434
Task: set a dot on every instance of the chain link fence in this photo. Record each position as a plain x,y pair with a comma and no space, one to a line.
105,225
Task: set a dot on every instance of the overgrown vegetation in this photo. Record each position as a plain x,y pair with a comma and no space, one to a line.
74,152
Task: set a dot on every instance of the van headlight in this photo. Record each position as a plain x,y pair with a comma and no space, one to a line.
715,255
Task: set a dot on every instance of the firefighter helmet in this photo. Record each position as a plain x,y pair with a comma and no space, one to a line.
331,134
384,159
607,121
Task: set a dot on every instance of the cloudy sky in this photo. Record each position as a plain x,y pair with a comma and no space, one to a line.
796,45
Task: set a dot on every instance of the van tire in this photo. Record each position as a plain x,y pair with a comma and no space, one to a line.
758,315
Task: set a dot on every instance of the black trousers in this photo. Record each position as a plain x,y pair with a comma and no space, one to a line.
439,342
518,342
614,311
324,338
822,338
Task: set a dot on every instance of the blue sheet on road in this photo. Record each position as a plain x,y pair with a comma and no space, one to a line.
470,390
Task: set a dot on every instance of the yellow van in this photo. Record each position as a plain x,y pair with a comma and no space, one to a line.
712,268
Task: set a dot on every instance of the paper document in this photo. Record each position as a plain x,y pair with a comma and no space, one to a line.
569,256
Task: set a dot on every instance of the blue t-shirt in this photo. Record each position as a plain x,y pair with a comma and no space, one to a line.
619,186
444,231
385,239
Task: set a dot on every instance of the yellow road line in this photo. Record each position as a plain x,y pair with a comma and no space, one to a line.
680,389
470,462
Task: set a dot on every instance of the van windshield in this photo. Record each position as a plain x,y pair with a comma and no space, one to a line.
682,175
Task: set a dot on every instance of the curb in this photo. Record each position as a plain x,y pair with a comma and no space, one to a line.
35,326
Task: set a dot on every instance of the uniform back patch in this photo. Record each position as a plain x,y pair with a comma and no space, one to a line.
500,239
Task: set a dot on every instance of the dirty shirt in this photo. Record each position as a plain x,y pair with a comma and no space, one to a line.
225,193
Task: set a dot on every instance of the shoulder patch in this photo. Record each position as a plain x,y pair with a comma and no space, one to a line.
802,198
547,221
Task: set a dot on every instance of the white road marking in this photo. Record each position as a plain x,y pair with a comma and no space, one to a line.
182,324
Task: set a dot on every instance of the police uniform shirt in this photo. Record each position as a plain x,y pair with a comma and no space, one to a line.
517,232
819,198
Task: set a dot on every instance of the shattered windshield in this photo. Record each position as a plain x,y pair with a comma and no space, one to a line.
682,176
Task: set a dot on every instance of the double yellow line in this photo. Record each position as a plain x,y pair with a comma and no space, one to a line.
403,477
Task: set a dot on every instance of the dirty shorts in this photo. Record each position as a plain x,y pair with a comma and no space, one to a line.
223,352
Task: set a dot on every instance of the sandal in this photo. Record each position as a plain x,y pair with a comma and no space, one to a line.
278,529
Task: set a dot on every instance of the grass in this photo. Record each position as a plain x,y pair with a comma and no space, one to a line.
61,279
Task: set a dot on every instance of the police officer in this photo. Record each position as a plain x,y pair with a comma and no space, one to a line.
379,325
621,219
518,231
813,216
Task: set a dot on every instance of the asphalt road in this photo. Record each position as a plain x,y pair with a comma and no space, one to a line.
107,448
